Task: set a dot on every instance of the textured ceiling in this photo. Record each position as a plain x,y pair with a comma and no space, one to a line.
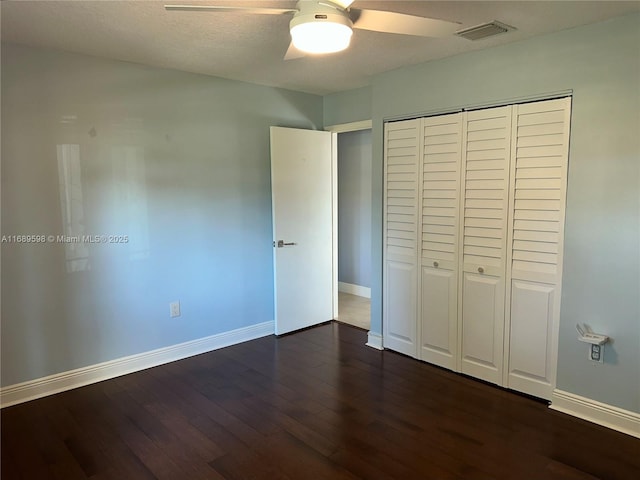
251,47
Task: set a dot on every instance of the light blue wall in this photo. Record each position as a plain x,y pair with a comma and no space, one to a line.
348,106
601,282
354,208
178,162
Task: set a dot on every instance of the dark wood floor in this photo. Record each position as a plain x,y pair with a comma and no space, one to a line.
317,404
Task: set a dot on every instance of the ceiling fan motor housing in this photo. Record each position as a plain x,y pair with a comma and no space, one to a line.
320,28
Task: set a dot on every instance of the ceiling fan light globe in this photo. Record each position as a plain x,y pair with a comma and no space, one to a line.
321,37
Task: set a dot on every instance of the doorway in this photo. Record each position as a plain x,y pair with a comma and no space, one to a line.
354,227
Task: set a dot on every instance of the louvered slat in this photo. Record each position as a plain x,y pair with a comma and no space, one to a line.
540,174
401,235
486,175
441,137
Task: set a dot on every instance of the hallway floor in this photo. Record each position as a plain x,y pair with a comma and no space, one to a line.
354,310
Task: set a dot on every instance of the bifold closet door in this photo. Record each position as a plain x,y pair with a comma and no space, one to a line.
538,190
400,275
486,155
440,198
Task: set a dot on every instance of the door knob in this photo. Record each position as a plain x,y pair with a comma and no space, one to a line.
480,270
435,264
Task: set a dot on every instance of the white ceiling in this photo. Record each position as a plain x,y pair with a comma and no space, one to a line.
251,47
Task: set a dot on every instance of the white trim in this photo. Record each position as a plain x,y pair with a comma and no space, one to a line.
603,414
350,127
374,340
334,223
60,382
358,290
481,106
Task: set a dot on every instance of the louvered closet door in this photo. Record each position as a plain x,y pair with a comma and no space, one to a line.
401,236
441,159
540,153
486,145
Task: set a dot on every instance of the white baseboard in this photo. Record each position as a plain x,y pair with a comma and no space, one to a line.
374,340
603,414
354,289
41,387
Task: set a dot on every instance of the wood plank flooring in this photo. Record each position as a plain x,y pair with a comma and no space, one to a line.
317,404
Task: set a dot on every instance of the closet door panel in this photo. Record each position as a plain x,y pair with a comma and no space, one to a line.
401,197
538,183
485,173
439,229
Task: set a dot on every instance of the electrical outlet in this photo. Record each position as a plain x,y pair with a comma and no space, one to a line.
596,353
174,309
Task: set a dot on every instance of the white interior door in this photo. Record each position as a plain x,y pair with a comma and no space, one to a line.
302,202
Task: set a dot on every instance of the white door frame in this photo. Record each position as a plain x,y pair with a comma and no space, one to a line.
335,129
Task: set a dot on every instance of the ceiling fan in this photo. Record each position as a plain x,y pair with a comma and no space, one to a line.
326,26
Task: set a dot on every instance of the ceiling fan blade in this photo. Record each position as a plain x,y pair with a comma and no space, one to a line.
216,8
393,22
343,3
293,53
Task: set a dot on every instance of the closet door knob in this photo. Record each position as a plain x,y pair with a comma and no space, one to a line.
480,270
435,264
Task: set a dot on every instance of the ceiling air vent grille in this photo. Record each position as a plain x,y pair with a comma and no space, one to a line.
485,30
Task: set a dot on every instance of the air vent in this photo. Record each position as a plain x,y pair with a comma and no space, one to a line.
485,30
